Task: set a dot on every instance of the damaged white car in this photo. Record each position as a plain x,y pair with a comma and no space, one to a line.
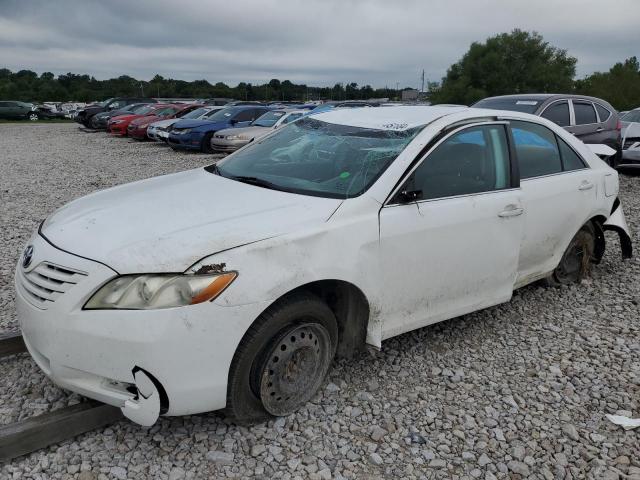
234,286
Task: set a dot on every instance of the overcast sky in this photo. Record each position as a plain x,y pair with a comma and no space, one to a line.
318,42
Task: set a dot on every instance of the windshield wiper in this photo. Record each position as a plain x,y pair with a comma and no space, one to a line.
259,182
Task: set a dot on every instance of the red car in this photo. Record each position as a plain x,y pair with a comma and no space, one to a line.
138,127
118,125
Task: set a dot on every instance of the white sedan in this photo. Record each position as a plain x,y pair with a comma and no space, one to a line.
235,285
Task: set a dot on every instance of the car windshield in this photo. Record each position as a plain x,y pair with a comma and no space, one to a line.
211,113
163,112
224,114
526,105
269,119
105,103
145,109
318,158
197,113
141,108
632,116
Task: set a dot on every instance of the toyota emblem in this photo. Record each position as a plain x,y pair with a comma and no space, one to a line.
27,256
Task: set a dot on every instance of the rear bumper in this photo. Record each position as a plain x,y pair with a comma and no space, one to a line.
618,223
224,145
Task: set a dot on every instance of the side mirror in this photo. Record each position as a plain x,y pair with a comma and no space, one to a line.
408,196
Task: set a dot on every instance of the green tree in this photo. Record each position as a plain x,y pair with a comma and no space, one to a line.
516,62
620,86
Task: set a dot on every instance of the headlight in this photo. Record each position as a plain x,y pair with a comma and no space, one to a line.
152,291
232,137
182,132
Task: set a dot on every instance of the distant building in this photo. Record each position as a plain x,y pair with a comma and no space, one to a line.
410,95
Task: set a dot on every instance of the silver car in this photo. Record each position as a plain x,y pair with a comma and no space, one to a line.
231,139
630,139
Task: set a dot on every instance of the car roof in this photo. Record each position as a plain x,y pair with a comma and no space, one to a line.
388,118
546,96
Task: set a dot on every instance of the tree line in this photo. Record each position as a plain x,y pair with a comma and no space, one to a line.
508,63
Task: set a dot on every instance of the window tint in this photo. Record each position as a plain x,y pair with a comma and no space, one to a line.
584,112
527,105
472,161
558,113
570,159
536,149
603,113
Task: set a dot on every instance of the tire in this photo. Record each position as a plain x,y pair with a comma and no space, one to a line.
206,143
282,359
576,260
33,117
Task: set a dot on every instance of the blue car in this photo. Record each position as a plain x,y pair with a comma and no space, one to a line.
196,134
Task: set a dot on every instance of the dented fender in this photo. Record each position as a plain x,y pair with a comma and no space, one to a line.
618,223
144,409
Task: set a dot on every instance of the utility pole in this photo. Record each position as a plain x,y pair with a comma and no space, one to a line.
422,89
398,90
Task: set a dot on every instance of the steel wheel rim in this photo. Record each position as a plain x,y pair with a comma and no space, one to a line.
295,367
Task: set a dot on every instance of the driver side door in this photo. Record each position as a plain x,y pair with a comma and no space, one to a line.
450,237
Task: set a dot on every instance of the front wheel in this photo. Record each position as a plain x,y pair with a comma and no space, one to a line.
206,143
576,260
33,117
283,359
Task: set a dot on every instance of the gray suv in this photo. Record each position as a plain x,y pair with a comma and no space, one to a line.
590,119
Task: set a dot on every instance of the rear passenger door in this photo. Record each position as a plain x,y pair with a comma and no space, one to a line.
449,244
245,117
586,126
558,191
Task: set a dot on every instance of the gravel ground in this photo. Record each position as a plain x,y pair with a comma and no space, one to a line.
515,391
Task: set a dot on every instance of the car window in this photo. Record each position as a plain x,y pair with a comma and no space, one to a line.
4,104
632,116
245,115
558,113
570,159
268,119
536,149
584,112
472,161
115,105
603,113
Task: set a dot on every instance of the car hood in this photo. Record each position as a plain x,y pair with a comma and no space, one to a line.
164,123
168,223
248,131
128,117
145,120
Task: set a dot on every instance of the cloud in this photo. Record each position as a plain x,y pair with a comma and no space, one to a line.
319,42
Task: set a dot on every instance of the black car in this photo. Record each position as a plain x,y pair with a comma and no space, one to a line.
590,119
15,110
99,120
85,115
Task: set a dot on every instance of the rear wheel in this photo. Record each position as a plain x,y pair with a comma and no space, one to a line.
206,143
283,359
576,260
33,117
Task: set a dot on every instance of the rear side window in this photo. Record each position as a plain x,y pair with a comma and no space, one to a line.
474,160
246,115
585,114
603,113
558,113
570,159
536,149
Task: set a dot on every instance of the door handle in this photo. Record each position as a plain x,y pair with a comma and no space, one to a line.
511,211
598,130
585,186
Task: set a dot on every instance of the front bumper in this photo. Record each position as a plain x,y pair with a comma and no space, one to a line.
225,145
186,352
139,133
152,134
188,141
630,157
117,129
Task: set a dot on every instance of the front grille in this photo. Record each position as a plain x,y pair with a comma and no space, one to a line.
44,284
